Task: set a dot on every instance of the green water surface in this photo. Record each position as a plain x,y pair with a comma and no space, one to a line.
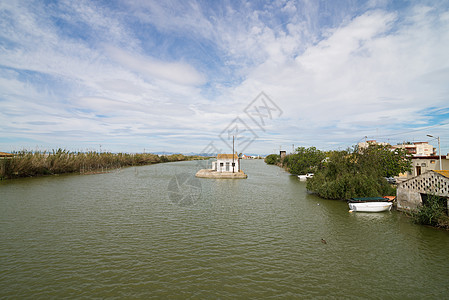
118,235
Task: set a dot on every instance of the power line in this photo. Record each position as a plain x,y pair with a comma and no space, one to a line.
416,130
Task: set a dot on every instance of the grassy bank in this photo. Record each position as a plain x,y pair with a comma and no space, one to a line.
28,163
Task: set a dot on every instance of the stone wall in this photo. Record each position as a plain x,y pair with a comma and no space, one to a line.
409,192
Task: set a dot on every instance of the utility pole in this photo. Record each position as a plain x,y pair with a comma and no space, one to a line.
233,162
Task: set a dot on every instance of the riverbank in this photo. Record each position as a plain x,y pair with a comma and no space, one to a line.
29,164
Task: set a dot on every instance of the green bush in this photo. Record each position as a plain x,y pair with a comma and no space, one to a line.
272,159
304,160
358,173
433,212
346,186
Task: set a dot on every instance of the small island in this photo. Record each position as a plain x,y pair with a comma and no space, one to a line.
227,166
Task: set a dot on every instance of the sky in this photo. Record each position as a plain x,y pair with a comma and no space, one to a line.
185,76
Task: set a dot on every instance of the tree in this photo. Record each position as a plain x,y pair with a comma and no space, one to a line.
272,159
359,172
304,160
383,160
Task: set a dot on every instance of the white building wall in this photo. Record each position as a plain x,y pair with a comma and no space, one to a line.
221,165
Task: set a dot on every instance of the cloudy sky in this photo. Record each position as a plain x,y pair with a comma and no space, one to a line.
181,76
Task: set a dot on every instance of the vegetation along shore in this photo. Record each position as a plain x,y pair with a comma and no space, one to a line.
35,163
356,172
347,173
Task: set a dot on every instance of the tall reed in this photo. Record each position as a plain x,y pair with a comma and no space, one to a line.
35,163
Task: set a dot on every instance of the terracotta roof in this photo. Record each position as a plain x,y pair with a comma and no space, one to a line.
226,156
3,154
445,173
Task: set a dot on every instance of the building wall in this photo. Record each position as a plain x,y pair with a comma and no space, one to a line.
408,199
363,145
417,149
220,168
409,192
426,164
282,154
424,149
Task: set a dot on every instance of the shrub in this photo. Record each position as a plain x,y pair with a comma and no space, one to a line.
433,212
304,160
355,173
272,159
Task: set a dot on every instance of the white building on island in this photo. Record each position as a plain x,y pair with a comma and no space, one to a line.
226,163
227,166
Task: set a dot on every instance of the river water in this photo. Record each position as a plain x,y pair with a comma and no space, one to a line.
121,235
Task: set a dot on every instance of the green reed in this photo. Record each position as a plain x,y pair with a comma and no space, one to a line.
36,163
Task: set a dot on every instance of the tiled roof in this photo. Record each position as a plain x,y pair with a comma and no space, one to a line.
226,156
445,173
3,154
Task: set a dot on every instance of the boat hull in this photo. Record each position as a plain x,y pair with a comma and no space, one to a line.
305,177
370,206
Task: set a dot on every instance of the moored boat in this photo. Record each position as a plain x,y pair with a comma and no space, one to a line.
390,198
305,177
370,206
372,199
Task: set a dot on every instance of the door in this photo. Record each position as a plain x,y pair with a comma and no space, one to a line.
418,170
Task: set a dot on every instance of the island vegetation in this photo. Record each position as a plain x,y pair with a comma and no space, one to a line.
36,163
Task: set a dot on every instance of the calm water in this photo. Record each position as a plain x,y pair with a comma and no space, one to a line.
118,235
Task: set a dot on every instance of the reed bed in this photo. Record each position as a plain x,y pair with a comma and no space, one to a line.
34,163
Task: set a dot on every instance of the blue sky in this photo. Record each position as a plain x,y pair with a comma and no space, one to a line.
174,76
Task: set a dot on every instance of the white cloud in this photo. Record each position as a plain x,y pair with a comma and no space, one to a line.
176,72
376,71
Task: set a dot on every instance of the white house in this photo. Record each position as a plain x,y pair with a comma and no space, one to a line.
226,163
418,149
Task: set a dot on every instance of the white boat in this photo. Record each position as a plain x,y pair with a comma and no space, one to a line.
305,177
370,206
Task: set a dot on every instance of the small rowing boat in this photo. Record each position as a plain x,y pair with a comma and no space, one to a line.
370,206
